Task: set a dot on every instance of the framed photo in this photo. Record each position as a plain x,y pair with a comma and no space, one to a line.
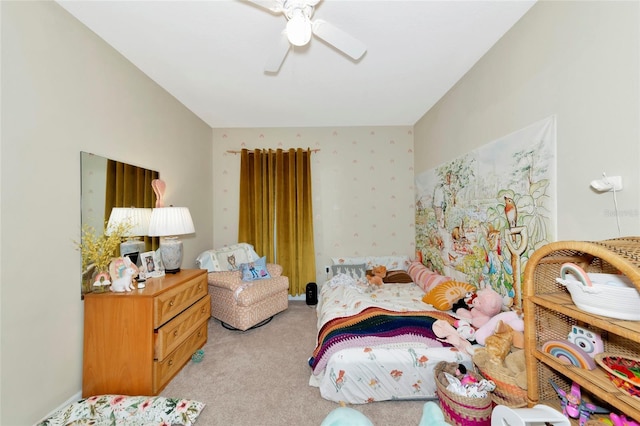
152,266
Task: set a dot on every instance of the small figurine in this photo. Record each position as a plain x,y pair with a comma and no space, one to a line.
573,406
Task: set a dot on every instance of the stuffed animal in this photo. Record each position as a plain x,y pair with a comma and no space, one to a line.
517,367
513,367
465,330
432,415
510,318
487,304
498,345
447,333
466,302
345,416
377,274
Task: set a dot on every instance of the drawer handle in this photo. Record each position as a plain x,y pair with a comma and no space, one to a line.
170,363
199,286
170,302
203,310
175,333
199,333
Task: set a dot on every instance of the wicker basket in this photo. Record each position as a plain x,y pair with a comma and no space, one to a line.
619,368
460,410
507,392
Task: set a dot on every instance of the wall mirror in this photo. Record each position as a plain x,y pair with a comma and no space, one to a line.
106,184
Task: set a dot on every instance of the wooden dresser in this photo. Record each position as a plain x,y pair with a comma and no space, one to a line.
136,342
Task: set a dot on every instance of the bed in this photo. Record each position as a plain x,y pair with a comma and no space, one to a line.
378,345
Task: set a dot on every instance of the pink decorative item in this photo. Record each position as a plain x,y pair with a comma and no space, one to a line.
511,318
159,187
620,420
573,406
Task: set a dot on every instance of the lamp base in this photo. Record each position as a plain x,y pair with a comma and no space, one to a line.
171,253
131,246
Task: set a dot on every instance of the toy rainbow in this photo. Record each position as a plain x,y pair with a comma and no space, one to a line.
569,353
580,274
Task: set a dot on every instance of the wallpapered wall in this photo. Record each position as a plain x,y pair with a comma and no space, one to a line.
363,187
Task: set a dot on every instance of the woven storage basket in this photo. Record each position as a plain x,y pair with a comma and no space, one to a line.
609,295
507,392
460,410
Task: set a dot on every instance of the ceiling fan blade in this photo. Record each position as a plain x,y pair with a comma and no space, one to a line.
275,60
275,6
339,39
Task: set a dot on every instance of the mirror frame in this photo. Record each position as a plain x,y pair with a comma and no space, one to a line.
93,196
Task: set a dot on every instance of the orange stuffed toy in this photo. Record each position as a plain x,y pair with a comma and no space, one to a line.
377,274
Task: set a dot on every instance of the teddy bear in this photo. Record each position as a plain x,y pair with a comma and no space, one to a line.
486,304
377,274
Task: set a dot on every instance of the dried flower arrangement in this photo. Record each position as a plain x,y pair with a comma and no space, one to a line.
98,250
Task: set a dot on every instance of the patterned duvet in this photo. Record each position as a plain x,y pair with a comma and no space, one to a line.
377,346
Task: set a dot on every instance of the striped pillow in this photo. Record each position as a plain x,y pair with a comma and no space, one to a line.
425,278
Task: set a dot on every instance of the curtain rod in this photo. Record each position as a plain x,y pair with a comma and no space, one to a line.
238,152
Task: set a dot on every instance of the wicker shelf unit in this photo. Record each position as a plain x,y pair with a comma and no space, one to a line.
550,314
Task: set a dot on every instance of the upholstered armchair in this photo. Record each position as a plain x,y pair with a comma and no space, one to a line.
243,305
249,303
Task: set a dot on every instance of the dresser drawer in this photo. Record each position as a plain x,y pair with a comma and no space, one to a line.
173,333
164,370
170,303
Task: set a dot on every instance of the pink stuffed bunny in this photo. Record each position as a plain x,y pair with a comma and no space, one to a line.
487,304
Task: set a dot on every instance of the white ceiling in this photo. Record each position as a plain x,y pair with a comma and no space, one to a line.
210,55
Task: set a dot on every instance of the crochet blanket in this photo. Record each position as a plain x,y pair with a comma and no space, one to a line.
376,326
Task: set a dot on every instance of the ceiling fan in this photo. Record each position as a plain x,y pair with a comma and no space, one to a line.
300,27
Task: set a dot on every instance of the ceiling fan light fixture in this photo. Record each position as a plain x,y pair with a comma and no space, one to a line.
299,28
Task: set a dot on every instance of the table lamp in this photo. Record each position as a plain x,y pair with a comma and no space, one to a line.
168,223
138,220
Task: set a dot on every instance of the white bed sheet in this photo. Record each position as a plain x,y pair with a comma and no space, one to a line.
382,372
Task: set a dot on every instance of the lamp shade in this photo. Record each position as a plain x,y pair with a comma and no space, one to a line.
170,221
137,218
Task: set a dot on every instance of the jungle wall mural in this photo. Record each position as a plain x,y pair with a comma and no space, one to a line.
480,216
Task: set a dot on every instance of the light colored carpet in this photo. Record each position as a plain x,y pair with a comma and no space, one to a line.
261,377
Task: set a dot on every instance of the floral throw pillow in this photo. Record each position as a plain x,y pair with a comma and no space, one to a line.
255,270
127,410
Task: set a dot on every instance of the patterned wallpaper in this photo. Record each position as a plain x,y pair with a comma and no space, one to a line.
363,187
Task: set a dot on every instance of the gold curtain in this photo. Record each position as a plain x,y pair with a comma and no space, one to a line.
276,211
130,186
